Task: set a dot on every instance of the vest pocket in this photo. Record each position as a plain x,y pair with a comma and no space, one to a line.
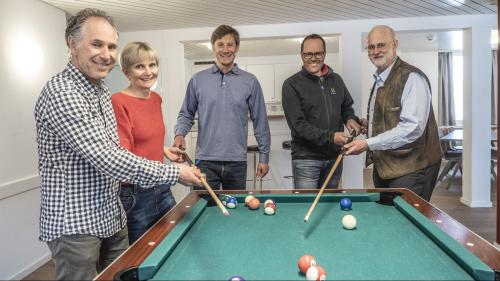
400,153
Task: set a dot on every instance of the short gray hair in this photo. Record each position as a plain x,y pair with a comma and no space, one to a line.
75,23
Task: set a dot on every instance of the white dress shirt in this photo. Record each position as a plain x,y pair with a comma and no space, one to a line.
415,103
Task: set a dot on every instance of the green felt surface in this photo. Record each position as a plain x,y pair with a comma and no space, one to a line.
385,245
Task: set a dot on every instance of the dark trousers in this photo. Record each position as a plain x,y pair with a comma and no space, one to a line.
82,256
228,175
144,207
421,182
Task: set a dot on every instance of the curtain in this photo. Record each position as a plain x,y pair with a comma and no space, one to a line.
445,90
494,87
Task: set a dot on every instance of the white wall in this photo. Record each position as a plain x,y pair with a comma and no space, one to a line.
24,24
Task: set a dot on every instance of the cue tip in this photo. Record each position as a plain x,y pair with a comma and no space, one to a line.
226,213
306,218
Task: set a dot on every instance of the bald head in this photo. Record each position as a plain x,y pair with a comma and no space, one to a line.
383,29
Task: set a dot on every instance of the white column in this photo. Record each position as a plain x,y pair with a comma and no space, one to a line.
477,112
351,71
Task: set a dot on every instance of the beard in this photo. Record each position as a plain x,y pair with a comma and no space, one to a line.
381,61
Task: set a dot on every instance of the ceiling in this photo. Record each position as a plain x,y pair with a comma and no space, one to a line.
137,15
408,42
259,47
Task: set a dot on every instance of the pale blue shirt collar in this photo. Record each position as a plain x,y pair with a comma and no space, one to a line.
381,77
235,69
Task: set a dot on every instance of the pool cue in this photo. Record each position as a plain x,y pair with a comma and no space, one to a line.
327,180
325,183
210,190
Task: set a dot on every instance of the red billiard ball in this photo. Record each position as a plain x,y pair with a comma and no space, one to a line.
305,262
271,205
254,203
269,201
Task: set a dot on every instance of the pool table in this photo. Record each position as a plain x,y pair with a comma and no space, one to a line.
398,236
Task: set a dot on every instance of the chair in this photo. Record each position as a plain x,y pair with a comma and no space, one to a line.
452,153
287,145
494,162
254,149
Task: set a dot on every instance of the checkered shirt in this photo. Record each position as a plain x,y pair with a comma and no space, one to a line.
81,162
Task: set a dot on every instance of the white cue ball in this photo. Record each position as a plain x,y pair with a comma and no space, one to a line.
349,222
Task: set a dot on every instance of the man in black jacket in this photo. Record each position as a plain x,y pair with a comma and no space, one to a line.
317,104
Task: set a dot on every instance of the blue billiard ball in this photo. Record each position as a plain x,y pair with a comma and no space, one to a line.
345,204
231,202
236,278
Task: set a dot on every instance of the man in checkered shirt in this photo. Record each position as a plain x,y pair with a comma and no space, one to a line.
80,160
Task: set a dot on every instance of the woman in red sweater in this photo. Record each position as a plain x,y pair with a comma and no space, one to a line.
141,131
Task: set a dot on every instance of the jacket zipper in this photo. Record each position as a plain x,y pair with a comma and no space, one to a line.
326,101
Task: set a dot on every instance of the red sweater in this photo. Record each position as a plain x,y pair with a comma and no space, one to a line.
140,124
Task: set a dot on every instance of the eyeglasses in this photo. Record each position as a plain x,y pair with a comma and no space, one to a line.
378,46
317,55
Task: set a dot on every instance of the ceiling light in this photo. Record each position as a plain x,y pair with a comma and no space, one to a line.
456,3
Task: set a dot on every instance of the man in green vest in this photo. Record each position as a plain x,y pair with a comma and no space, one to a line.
402,138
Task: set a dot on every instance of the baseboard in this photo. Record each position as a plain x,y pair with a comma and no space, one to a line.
476,204
18,186
31,268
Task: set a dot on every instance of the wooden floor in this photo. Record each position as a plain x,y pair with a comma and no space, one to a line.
480,220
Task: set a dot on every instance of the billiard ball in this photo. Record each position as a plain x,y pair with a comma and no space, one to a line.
345,204
349,222
248,198
269,204
236,278
231,202
253,203
315,273
305,262
268,201
223,198
269,211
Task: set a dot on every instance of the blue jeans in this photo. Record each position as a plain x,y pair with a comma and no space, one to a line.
310,174
228,175
144,207
82,256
